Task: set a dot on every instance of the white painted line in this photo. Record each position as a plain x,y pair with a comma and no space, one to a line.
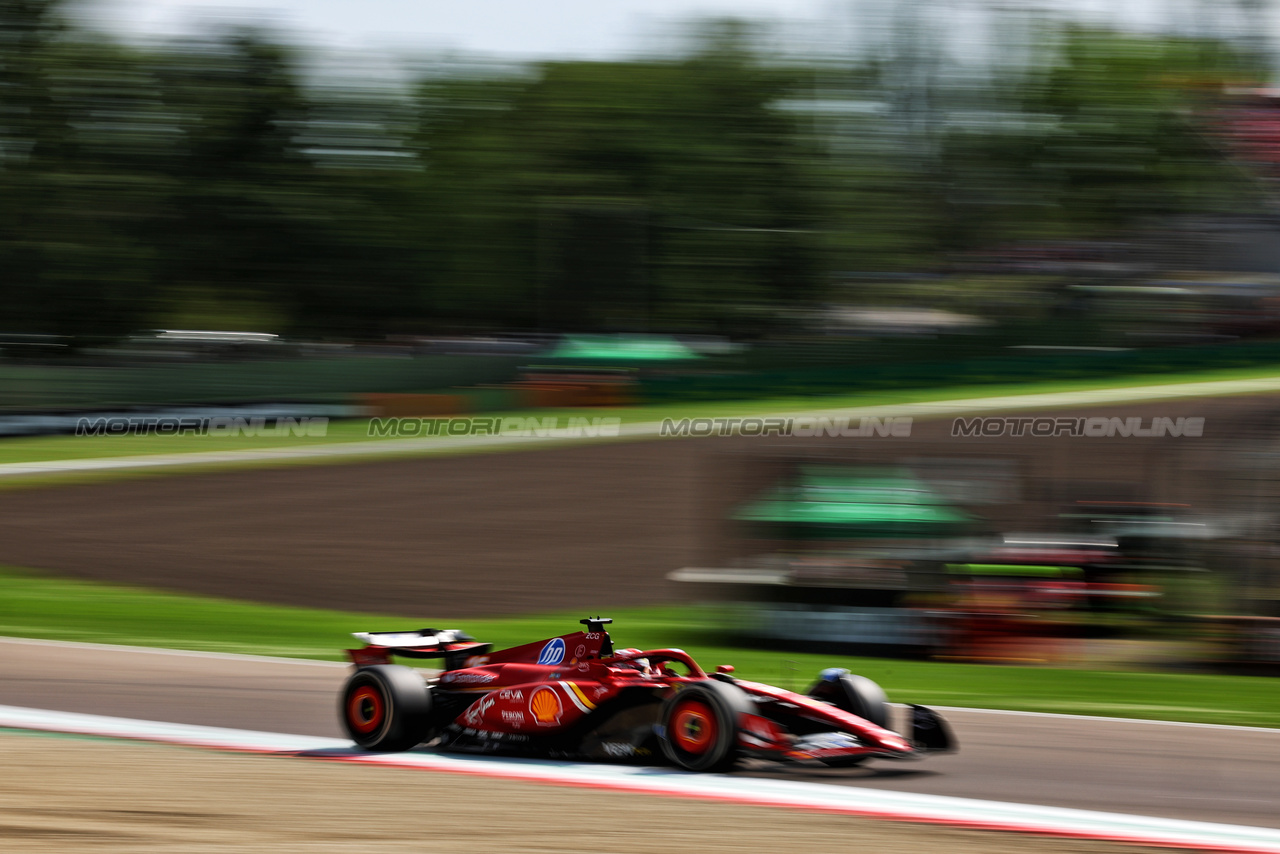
643,430
1063,716
157,650
44,720
853,800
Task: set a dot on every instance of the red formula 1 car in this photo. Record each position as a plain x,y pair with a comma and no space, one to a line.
575,697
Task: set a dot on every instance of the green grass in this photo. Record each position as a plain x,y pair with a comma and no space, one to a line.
41,606
46,448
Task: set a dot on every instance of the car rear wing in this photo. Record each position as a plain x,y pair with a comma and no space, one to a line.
455,647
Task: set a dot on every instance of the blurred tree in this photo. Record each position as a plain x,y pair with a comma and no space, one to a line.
275,207
209,183
621,195
75,122
1107,131
235,228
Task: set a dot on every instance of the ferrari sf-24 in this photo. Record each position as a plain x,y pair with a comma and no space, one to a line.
576,697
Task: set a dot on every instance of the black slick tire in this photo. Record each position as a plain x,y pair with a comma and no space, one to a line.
700,726
856,695
386,708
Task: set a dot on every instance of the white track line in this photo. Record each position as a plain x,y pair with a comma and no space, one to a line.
1237,727
643,430
779,793
189,653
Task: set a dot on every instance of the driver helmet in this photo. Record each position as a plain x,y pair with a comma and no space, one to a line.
641,664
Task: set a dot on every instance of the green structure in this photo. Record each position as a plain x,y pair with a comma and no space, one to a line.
836,504
621,350
845,557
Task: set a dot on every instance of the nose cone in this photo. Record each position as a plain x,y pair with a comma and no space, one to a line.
895,742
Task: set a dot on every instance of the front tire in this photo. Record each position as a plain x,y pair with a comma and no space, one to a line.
386,708
700,726
855,694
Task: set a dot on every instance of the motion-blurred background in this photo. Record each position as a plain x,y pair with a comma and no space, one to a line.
896,200
1004,173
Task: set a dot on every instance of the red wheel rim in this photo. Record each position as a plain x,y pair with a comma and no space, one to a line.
694,727
365,709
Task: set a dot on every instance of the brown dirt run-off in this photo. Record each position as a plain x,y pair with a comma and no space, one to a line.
581,528
106,797
587,527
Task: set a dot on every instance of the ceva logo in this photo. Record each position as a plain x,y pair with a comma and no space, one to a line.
553,652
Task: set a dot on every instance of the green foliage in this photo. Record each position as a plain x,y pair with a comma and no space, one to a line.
620,194
41,606
1110,128
204,183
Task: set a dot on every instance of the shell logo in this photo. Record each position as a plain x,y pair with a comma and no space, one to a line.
545,707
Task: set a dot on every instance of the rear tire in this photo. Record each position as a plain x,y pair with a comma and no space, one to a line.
386,708
700,726
856,695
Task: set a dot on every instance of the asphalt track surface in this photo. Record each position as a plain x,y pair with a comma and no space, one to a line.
1176,771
